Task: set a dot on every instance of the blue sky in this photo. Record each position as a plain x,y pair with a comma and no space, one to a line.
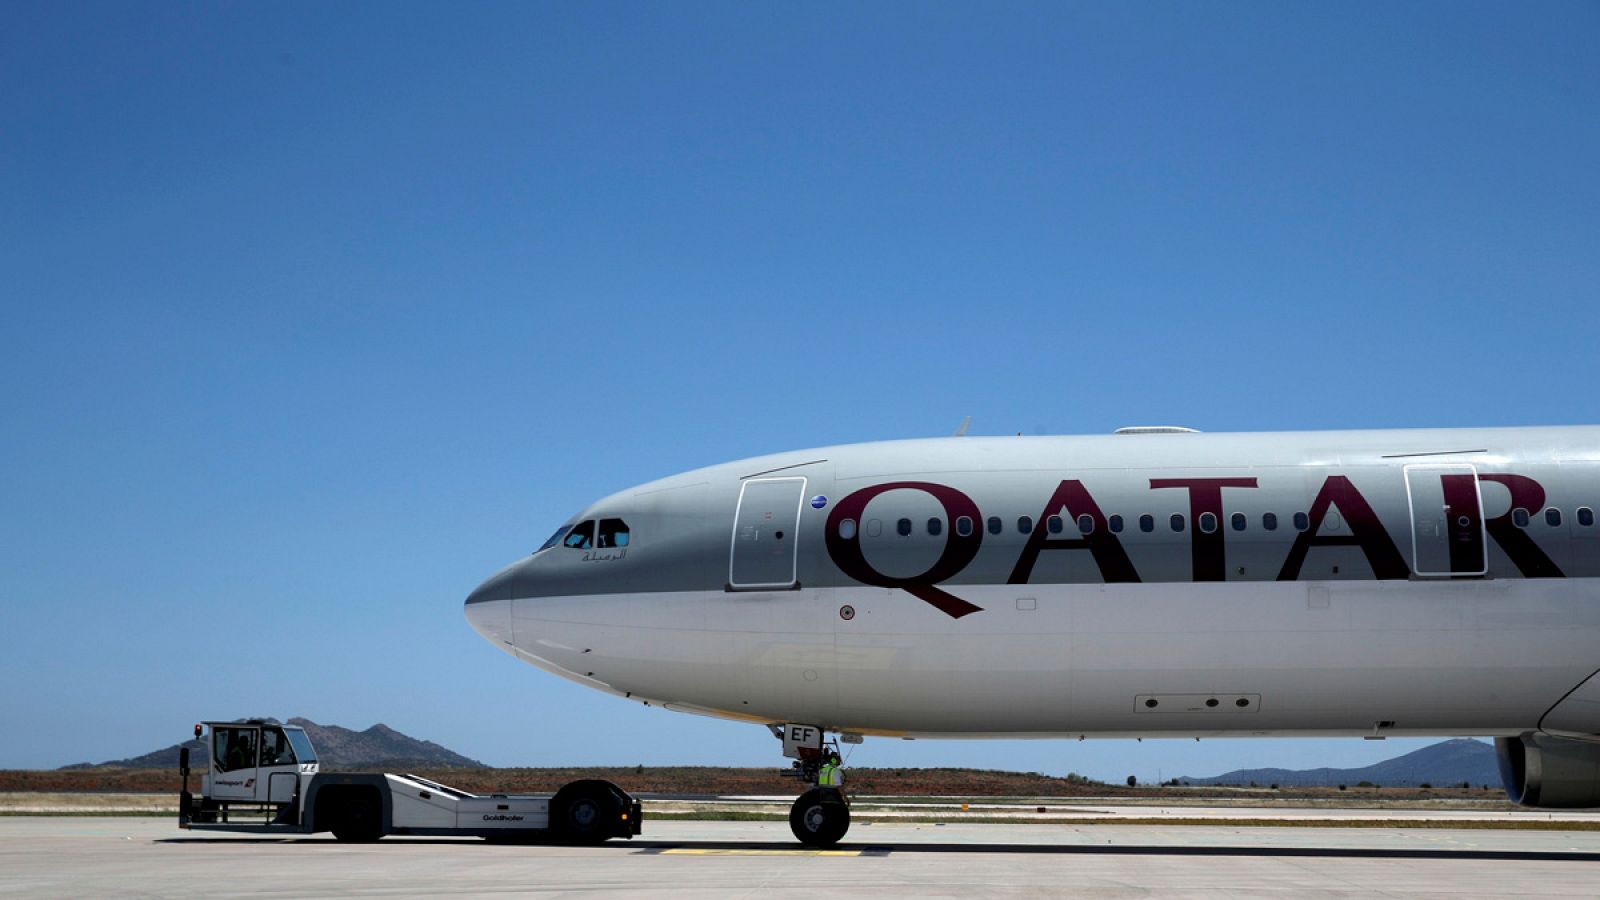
316,314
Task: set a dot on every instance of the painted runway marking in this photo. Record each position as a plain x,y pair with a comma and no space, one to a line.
692,851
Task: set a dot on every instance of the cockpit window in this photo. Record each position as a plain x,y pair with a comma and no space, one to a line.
613,533
581,537
554,539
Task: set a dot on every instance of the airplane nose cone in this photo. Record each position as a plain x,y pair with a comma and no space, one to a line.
488,608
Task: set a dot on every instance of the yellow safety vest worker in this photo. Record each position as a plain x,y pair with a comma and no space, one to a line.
830,775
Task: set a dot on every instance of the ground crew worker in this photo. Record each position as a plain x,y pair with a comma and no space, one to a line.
831,774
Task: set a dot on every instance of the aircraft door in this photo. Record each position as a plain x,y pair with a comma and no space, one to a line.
766,538
1446,520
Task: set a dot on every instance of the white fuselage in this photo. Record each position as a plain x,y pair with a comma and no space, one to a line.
1377,614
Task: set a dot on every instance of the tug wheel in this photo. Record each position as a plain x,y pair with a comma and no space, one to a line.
585,812
358,817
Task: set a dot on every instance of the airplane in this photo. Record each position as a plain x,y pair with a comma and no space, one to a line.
1154,582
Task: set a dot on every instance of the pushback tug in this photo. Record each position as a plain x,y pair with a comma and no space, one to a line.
264,778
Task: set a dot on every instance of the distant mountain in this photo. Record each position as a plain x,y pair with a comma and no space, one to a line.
337,748
341,748
1445,763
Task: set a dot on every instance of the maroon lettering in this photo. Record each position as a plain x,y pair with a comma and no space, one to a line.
1205,496
959,550
1071,498
1366,532
1526,494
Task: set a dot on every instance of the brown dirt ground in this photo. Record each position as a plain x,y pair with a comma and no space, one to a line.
718,781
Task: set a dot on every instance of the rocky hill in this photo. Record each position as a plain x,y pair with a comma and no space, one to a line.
337,748
1446,763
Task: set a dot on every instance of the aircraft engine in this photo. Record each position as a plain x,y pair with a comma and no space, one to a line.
1550,772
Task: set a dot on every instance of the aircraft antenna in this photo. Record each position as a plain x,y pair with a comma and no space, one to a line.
961,430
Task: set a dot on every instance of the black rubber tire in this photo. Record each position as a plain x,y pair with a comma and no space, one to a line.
358,819
819,818
585,812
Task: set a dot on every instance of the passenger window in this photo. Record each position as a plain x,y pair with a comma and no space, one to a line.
1086,524
874,527
581,537
1239,521
275,749
1208,522
1177,521
963,526
233,748
1552,517
1301,521
1115,524
613,533
1269,521
1024,525
847,529
995,525
904,527
1520,517
935,525
1585,516
1055,524
1147,523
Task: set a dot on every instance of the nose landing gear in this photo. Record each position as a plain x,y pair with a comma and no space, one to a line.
821,815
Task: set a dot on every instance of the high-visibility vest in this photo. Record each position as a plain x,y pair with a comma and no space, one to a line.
830,775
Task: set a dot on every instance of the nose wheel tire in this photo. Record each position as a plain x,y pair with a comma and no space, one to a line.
819,818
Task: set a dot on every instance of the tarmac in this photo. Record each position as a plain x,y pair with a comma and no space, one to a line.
136,856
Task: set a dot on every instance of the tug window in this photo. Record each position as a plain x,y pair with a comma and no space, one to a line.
1086,524
581,537
1115,524
275,750
847,529
963,526
1585,516
935,525
1269,521
1177,521
1552,517
1301,521
1147,523
233,748
1208,522
995,525
1024,525
903,527
1520,517
1055,524
1239,521
613,533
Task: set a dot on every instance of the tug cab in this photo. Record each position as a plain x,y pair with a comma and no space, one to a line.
258,762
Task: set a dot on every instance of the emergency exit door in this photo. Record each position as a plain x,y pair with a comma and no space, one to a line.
1446,521
766,539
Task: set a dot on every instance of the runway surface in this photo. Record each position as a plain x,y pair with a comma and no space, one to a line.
151,857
